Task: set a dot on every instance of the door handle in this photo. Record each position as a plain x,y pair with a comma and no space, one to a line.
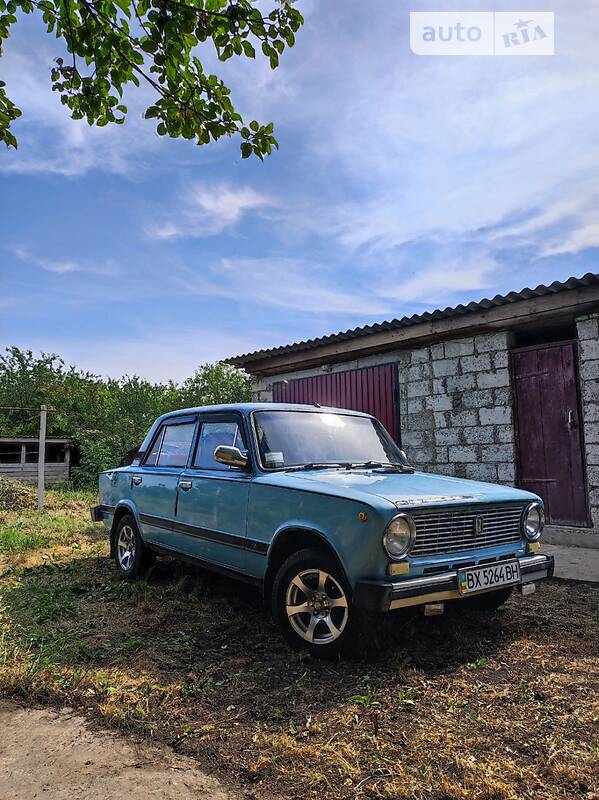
136,480
185,485
570,418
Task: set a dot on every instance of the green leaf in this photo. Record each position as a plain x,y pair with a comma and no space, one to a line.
246,150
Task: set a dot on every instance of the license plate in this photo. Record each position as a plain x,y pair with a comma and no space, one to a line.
487,577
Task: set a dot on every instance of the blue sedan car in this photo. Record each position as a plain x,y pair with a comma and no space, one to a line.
320,508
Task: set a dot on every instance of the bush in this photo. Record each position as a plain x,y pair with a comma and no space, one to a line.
106,418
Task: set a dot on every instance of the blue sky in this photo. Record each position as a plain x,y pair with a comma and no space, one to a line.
403,183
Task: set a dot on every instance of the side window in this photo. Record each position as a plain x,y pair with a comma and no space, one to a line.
171,446
176,444
152,456
212,435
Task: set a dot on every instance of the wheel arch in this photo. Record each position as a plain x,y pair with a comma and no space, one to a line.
290,540
120,511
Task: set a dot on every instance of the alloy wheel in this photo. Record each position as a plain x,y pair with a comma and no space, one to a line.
126,547
316,606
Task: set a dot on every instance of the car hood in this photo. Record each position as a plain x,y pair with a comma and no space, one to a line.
401,489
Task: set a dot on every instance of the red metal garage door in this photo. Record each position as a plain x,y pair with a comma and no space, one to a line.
371,389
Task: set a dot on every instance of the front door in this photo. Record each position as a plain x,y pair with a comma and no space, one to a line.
213,498
549,442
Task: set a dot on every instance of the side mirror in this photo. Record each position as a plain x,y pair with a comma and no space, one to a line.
231,456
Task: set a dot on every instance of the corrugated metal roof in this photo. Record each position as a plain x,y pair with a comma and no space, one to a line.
590,279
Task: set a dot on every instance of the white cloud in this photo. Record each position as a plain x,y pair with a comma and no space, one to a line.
63,266
209,209
287,283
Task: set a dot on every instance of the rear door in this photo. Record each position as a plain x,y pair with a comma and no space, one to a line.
154,484
213,498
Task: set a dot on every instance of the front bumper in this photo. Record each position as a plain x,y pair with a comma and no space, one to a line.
387,595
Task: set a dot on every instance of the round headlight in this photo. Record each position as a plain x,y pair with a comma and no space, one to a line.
533,520
399,536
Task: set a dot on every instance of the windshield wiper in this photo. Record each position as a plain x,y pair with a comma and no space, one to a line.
317,465
387,465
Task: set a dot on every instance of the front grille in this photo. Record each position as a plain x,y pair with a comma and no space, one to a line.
453,530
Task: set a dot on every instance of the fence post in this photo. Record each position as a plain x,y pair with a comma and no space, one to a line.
41,459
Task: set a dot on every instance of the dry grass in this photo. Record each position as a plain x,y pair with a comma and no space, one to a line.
457,708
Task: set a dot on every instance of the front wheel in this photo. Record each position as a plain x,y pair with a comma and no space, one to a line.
312,605
132,557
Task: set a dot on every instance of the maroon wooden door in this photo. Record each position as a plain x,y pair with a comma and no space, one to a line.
549,442
371,389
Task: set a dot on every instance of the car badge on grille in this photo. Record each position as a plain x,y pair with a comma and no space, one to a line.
478,523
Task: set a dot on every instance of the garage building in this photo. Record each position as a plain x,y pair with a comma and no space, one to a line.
503,390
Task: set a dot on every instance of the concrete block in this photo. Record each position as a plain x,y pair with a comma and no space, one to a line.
459,347
588,328
415,405
460,383
589,349
496,416
491,341
504,434
412,438
591,433
441,455
420,422
593,455
590,412
448,366
478,399
475,363
437,351
506,473
589,370
421,354
420,388
462,418
498,452
481,472
421,455
444,436
439,402
440,419
489,380
439,385
590,392
502,397
500,359
462,454
445,469
479,435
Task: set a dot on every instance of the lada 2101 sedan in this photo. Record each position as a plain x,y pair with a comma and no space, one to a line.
319,507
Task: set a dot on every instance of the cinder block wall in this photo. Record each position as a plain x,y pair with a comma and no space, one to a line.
588,334
456,408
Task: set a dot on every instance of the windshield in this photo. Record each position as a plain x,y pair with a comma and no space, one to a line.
297,438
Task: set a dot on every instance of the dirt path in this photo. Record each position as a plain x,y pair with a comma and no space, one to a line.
56,756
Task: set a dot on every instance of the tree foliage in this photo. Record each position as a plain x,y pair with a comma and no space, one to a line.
113,43
107,418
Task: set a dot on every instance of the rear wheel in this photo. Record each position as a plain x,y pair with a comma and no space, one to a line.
132,557
489,601
311,602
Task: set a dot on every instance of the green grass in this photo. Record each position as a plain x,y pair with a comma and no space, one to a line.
14,540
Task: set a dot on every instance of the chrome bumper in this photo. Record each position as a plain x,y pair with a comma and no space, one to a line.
387,596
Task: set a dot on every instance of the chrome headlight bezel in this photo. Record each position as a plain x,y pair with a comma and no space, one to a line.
533,535
410,535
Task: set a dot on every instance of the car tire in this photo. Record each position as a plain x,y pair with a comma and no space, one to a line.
489,601
327,625
133,559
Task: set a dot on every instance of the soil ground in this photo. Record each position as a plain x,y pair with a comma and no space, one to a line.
55,755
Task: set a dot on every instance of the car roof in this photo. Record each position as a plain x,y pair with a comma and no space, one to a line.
247,408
